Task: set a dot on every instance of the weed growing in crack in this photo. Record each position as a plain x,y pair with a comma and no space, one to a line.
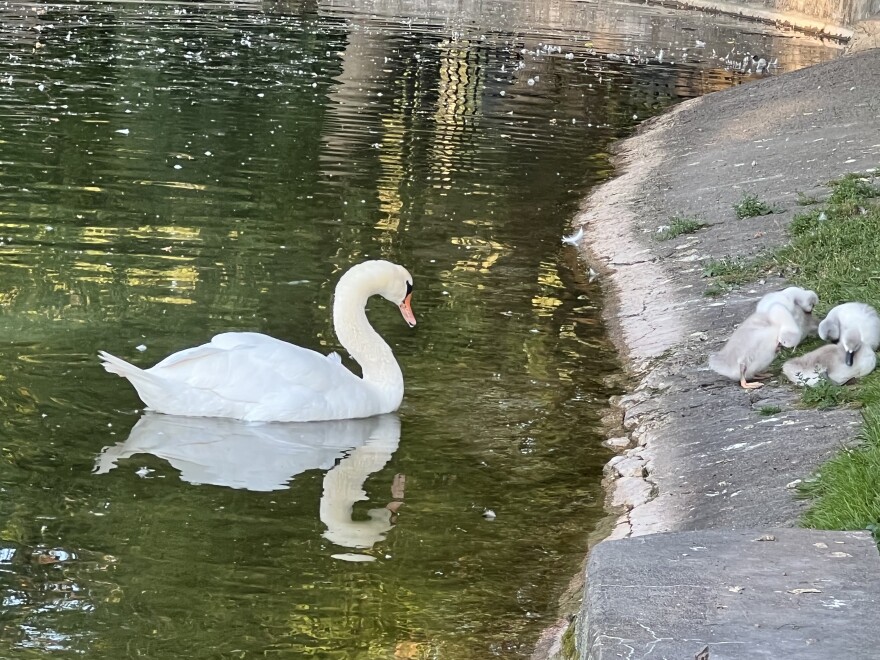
678,226
750,206
806,200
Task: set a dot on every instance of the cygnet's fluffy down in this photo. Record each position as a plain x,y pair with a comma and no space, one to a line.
753,345
852,324
799,302
829,361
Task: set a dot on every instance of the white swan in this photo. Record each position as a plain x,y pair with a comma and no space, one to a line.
853,324
832,361
254,377
798,301
753,345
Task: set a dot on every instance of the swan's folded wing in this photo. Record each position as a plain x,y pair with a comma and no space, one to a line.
244,366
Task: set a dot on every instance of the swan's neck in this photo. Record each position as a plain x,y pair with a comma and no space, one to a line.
365,345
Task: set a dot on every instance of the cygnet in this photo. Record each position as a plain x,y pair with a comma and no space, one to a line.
753,345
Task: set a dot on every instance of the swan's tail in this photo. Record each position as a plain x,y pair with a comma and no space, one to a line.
720,363
118,366
150,388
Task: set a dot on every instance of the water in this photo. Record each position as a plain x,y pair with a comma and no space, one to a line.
169,171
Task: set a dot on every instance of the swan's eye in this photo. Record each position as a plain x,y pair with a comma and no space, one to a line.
408,288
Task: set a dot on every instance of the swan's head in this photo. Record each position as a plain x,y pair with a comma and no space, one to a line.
829,329
804,298
383,278
399,290
851,342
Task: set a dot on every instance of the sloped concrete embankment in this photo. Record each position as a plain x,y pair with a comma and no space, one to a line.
701,469
838,19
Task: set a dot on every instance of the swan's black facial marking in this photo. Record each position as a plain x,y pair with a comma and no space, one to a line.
409,288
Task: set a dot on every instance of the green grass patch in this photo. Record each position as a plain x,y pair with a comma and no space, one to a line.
769,411
846,490
679,226
835,250
750,206
826,394
729,272
806,200
852,188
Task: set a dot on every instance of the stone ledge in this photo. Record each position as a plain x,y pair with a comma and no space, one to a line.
746,594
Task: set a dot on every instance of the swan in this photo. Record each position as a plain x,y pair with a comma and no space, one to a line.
798,301
857,322
753,345
257,378
833,361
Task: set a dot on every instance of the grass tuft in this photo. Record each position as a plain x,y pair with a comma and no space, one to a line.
804,223
769,411
806,200
679,226
731,271
750,206
852,188
827,394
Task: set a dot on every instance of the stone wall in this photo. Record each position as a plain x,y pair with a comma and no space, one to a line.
838,19
843,12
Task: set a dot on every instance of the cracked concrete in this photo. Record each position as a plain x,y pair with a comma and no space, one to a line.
709,460
737,594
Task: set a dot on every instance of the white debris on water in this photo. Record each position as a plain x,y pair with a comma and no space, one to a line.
575,238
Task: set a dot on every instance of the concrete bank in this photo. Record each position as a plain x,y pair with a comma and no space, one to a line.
713,479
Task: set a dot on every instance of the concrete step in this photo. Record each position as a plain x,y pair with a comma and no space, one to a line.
722,595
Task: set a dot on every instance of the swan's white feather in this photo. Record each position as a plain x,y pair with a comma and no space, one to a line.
261,379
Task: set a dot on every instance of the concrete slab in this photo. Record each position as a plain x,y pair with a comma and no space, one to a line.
743,595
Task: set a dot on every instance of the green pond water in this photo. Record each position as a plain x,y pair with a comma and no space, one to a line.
170,171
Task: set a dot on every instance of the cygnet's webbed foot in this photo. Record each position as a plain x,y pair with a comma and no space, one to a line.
749,386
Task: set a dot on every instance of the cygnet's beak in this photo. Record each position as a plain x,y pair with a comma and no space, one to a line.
849,358
406,310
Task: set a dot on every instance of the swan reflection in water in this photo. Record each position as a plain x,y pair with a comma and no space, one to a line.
265,456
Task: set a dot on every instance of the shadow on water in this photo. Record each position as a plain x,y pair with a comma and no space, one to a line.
170,171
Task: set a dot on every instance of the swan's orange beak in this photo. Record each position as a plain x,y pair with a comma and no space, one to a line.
406,310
